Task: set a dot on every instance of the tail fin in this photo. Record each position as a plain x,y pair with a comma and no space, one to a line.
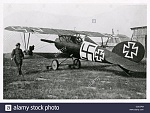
131,50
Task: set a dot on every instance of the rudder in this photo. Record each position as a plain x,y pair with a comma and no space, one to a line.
131,50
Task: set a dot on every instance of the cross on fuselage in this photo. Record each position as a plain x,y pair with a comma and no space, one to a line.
99,55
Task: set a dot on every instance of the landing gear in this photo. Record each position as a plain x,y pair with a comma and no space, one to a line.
76,63
55,64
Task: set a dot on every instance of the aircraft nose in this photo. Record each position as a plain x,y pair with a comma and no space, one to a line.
58,45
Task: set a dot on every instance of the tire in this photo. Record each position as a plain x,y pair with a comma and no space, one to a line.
55,64
77,64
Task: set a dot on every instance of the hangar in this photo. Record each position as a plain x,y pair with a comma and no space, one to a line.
140,35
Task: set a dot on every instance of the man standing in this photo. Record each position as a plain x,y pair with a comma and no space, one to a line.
17,55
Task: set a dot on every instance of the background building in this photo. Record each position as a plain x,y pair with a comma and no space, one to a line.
140,35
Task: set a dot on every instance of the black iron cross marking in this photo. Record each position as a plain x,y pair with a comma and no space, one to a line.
99,55
130,50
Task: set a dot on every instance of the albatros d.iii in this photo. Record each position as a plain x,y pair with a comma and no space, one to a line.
78,45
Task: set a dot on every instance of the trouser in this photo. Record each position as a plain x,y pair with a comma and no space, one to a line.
19,69
19,65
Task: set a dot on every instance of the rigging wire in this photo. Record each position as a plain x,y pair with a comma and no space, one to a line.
41,47
39,43
13,37
22,40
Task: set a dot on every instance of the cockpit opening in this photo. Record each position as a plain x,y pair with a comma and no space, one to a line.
71,39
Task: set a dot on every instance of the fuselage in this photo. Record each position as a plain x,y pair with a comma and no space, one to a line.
69,45
86,50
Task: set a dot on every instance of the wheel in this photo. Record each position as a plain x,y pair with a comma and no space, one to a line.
71,66
55,64
77,63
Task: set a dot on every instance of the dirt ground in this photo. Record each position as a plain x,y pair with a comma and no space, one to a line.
92,81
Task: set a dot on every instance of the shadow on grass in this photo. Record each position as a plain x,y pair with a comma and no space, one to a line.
118,72
37,71
32,72
102,68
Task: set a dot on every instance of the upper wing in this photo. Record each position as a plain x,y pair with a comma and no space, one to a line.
123,62
52,31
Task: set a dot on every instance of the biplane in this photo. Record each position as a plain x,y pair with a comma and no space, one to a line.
78,45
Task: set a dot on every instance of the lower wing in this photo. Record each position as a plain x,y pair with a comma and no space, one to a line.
52,55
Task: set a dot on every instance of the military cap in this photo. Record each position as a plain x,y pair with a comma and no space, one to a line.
17,44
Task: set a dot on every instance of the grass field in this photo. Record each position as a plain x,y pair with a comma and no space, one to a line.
92,81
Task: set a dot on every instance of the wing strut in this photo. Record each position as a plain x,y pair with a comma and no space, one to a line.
102,42
25,41
107,42
28,41
26,44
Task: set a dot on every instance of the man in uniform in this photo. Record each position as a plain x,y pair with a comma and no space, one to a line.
17,55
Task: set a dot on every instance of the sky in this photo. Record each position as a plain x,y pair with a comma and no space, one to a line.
78,16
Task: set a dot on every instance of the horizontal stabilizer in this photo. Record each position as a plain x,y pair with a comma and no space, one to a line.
123,62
